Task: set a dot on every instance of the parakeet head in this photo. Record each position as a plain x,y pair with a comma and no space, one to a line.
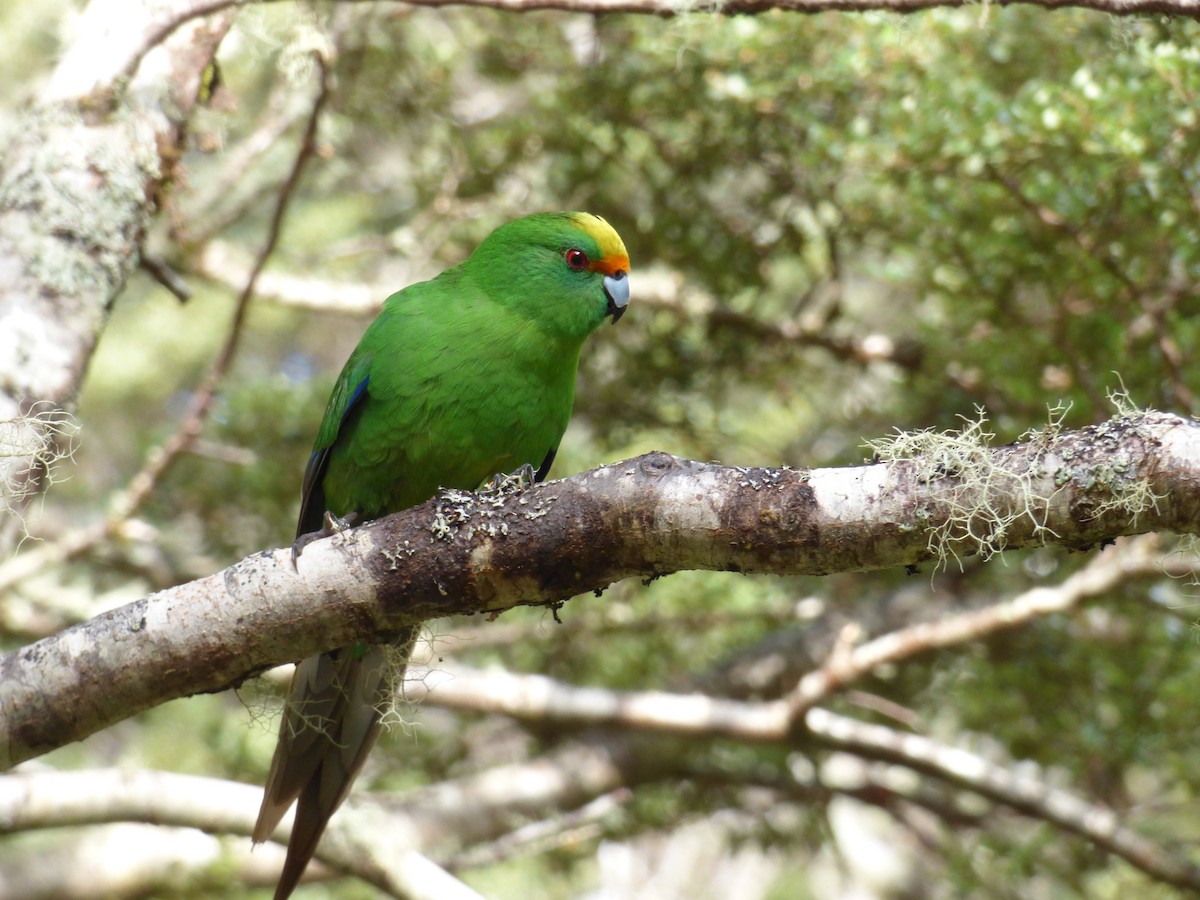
567,270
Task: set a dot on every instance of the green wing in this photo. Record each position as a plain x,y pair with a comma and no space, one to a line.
348,400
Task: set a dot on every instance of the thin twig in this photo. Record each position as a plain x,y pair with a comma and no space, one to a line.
174,19
225,198
160,271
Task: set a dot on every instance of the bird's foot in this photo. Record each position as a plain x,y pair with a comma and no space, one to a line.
511,483
330,525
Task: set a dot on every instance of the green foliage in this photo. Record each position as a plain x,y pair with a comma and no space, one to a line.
1007,198
260,438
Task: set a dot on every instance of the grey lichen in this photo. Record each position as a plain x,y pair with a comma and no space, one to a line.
78,202
982,493
980,497
46,435
468,513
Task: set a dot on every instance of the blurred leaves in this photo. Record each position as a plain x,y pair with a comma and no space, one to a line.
1010,195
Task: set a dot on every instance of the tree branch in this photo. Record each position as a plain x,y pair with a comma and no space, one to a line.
55,799
530,696
540,699
1002,785
78,188
125,503
657,514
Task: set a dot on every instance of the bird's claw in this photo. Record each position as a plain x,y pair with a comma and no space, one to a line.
526,476
513,482
330,525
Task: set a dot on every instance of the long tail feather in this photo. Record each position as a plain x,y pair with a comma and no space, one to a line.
330,723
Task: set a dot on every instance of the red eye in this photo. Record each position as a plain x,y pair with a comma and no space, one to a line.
576,259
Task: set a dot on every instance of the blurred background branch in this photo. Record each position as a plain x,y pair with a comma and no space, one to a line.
841,226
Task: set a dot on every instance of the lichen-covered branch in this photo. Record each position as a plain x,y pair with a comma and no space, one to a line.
646,517
79,183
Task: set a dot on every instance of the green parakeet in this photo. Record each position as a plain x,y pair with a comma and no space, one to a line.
459,378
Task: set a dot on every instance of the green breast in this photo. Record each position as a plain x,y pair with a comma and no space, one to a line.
457,393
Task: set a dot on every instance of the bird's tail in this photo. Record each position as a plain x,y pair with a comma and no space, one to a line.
330,723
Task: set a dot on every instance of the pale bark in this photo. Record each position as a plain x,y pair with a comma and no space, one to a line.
36,800
657,514
79,184
543,700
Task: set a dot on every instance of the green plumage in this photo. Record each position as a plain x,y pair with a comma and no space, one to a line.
458,379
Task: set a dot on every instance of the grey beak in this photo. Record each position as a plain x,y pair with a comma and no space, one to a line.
616,288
